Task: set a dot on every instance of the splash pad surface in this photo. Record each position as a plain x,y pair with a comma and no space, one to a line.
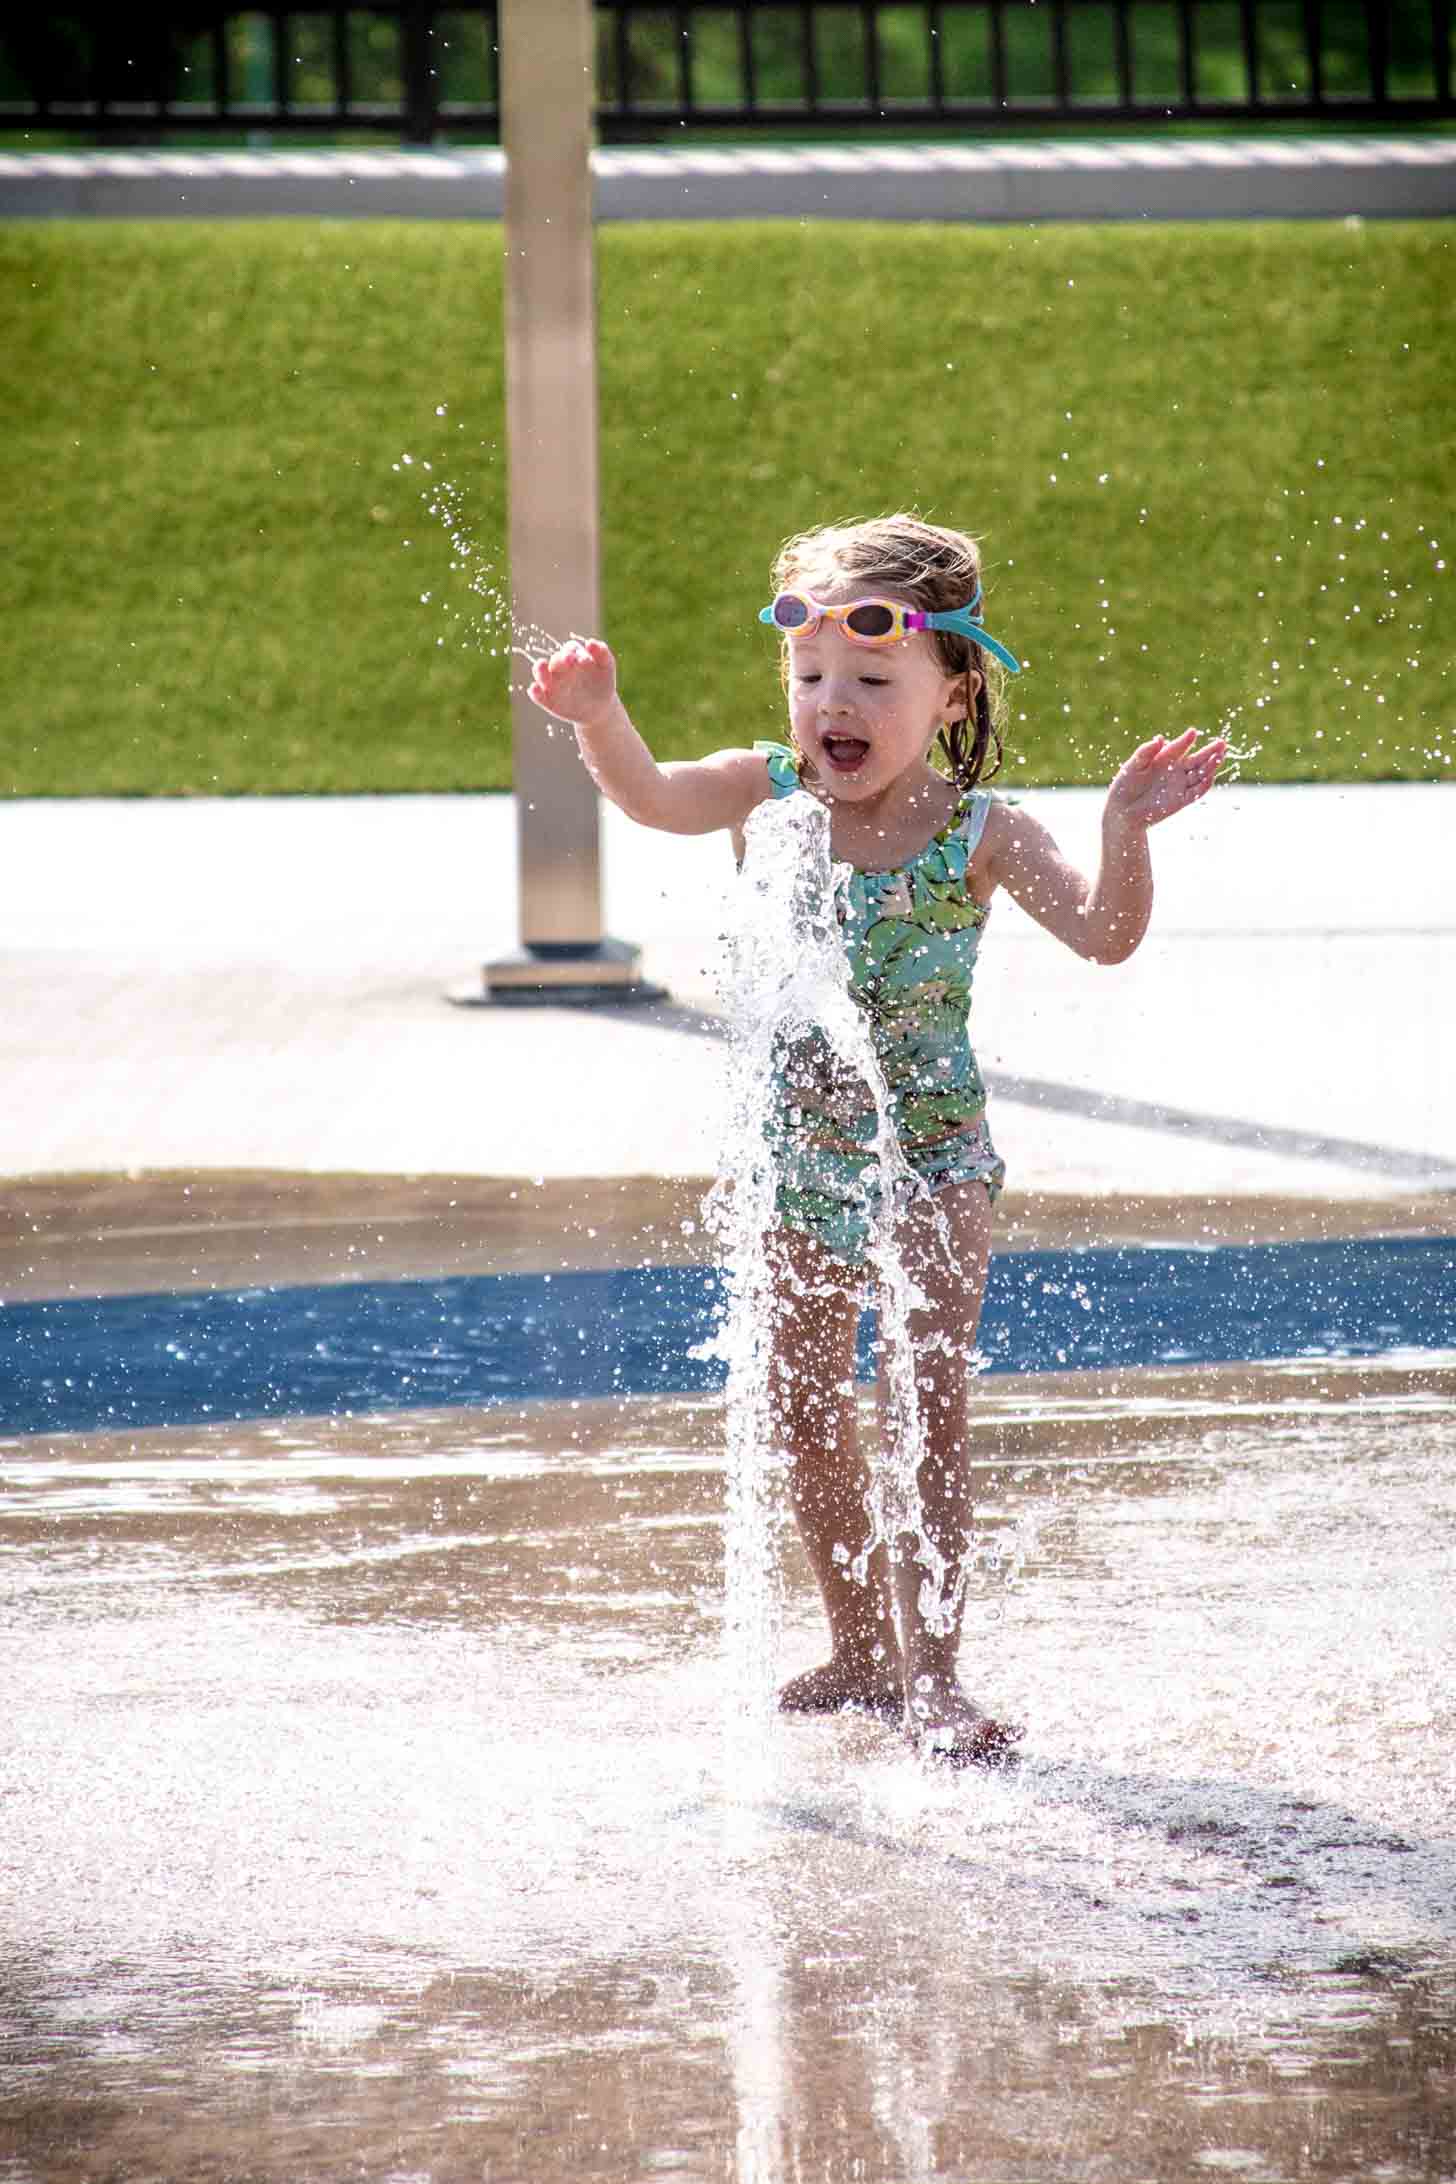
203,1355
370,1785
367,1782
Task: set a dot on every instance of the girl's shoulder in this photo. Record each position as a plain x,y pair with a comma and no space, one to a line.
989,831
978,814
995,814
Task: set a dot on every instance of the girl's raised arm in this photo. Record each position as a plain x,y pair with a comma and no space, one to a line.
578,683
1106,919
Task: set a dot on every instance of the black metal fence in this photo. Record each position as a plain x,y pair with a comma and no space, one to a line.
423,72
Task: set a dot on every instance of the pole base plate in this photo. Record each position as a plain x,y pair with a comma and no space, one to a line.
563,974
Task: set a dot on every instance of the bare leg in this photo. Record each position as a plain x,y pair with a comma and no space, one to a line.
816,1316
940,1718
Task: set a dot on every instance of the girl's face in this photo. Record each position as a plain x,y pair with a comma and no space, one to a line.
865,715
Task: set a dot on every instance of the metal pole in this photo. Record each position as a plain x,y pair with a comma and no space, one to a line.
546,102
417,27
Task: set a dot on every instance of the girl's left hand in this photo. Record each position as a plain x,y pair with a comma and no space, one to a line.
1162,777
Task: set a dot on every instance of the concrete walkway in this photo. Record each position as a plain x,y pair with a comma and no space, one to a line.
261,984
1134,178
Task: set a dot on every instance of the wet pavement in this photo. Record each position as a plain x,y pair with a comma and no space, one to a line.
368,1813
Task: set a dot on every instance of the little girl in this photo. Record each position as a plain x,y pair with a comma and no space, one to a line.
888,674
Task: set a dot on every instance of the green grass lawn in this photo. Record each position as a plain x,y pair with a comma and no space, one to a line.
1212,466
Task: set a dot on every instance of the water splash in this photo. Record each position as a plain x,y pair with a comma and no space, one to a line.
487,618
1238,755
787,980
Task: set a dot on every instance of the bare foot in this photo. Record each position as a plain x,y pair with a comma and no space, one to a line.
948,1728
870,1686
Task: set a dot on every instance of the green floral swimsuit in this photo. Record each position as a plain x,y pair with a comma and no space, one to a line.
911,937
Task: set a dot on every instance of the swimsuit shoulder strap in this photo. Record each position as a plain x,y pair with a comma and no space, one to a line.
973,821
783,767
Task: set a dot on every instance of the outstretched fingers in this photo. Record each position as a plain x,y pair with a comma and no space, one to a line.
1202,765
1164,775
575,681
1165,751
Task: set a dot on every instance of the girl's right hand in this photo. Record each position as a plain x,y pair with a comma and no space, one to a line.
577,682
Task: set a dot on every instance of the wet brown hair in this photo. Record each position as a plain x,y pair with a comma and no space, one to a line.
936,570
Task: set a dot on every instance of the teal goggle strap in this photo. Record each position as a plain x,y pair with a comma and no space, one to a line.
964,623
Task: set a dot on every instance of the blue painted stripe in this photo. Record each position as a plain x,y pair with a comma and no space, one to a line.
347,1347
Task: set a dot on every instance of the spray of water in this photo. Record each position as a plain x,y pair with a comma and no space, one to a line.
787,979
486,617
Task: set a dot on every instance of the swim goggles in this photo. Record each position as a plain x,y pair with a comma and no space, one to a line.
879,621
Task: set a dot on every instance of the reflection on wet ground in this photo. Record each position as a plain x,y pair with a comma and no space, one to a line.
365,1816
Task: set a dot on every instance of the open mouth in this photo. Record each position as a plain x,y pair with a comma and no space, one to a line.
846,753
